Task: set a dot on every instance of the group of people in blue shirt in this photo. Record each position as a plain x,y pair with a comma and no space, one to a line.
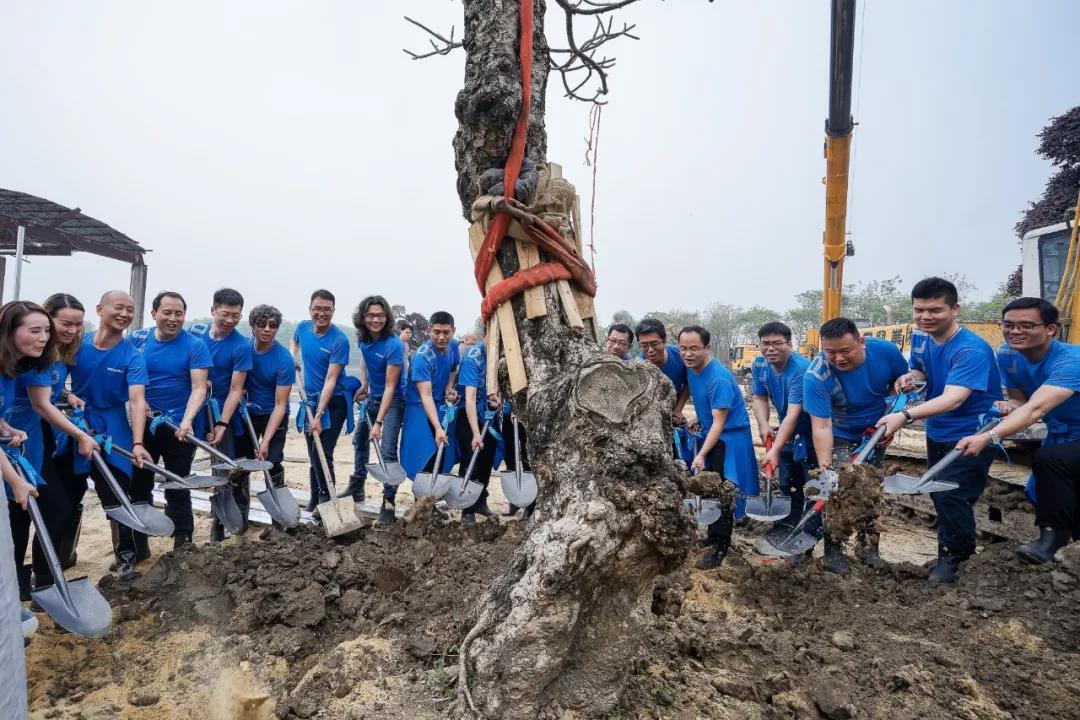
829,406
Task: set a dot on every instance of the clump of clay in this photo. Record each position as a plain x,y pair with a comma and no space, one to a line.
856,502
712,485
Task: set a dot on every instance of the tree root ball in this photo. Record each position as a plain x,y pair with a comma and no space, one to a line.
856,503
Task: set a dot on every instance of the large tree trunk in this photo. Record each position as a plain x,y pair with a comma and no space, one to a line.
560,628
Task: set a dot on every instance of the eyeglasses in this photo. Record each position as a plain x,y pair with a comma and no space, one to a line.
268,324
1022,327
229,315
322,310
654,345
690,350
375,316
776,344
618,343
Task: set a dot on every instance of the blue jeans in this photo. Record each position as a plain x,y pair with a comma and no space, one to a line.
390,436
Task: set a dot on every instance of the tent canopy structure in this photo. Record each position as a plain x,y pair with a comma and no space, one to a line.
52,229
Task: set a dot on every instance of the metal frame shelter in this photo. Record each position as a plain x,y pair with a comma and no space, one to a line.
34,226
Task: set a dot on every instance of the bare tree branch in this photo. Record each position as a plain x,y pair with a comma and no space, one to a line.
444,46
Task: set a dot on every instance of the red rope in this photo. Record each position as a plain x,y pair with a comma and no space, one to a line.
570,266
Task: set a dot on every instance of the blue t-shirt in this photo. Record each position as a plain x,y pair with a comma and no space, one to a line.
378,356
168,367
715,388
318,353
101,378
473,373
269,371
854,399
229,354
782,388
673,367
965,360
1059,368
428,365
35,378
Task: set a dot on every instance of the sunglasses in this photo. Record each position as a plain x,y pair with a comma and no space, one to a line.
268,324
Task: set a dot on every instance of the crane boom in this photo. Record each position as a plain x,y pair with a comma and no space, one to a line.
838,129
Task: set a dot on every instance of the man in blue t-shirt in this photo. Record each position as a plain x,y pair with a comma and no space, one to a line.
432,377
727,446
176,365
324,350
473,392
844,391
652,339
230,353
962,385
1042,378
777,376
268,385
383,389
618,341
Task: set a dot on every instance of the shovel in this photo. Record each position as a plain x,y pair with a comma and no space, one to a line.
705,511
520,490
337,515
172,480
279,502
902,484
432,484
222,503
464,494
140,516
767,508
386,473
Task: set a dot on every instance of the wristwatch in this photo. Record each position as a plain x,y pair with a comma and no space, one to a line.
995,439
907,416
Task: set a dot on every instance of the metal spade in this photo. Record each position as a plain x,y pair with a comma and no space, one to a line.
520,488
432,484
386,473
903,484
767,508
139,516
705,511
796,541
465,493
172,480
279,502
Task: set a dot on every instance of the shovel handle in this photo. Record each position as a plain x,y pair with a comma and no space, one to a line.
254,436
190,437
869,447
167,474
111,481
475,454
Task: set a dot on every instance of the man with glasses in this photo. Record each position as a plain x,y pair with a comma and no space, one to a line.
1042,378
618,341
844,390
268,385
652,339
962,385
230,353
727,447
384,391
324,350
777,376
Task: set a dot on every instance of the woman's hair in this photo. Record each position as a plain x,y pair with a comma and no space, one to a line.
12,316
53,305
362,333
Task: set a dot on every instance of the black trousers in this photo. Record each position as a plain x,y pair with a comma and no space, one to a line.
246,447
1057,486
176,456
485,458
337,409
956,508
54,501
719,532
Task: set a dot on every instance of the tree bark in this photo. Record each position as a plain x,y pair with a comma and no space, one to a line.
561,627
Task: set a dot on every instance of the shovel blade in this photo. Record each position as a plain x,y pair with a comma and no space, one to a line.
394,475
338,516
786,546
768,509
243,465
706,511
88,614
281,505
459,497
901,484
223,507
519,492
431,485
146,519
195,482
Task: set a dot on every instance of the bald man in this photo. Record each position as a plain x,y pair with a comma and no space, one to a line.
110,373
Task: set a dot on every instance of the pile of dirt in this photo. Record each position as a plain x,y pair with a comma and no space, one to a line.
856,502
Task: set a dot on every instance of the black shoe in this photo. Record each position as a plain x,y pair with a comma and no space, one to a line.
386,513
834,560
125,565
481,508
946,569
711,558
355,489
1042,549
181,541
529,511
468,519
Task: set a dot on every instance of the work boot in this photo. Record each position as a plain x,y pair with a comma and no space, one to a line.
834,560
529,511
1042,549
866,549
217,532
946,569
181,541
481,508
125,565
24,572
386,513
468,519
355,489
711,558
142,547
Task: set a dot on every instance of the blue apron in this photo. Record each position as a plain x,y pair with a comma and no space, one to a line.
418,442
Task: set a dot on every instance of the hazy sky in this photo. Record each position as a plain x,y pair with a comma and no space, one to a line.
281,146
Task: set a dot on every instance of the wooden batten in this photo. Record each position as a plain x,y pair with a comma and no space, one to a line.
528,256
492,349
515,364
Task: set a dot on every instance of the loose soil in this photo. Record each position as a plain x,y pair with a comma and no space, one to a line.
303,626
